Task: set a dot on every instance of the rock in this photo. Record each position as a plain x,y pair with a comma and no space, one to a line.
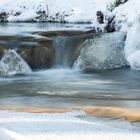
38,57
110,27
11,64
1,52
3,16
42,52
103,52
37,52
110,21
100,17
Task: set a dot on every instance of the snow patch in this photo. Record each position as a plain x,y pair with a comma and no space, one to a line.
44,126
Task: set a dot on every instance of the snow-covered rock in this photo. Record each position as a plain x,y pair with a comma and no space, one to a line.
103,52
12,63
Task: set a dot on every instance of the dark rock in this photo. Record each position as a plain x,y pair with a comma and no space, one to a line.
1,52
110,27
3,16
38,57
100,17
110,22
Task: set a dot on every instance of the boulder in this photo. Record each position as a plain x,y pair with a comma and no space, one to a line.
37,52
11,64
103,52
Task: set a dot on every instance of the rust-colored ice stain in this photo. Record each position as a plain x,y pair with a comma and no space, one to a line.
130,114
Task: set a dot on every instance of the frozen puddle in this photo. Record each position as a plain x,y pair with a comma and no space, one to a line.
56,126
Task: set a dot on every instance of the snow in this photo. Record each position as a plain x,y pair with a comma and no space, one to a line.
4,136
132,46
71,11
29,126
127,14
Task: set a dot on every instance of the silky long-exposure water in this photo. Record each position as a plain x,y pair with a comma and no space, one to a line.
33,105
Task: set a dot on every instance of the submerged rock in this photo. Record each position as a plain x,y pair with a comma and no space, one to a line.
102,52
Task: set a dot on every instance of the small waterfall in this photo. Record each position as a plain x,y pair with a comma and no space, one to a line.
61,52
67,50
105,51
12,64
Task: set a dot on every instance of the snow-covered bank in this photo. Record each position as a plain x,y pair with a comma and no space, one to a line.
21,126
70,11
125,12
56,10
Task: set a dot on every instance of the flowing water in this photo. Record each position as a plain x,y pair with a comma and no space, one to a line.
68,88
63,88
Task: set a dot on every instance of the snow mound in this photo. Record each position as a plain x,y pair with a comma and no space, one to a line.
132,46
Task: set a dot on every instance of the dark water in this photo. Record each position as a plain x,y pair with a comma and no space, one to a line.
27,28
60,87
